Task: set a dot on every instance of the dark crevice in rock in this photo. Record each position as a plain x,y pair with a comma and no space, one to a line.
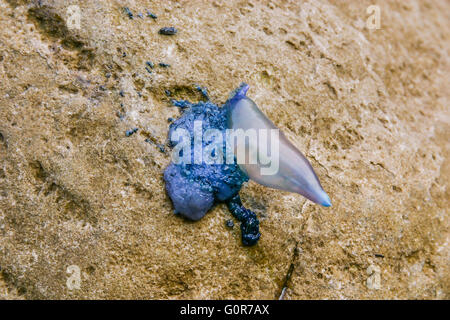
288,275
39,172
72,205
177,92
3,140
13,284
50,24
53,25
16,3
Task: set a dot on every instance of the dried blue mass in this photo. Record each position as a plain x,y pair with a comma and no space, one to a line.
131,132
194,188
128,12
168,31
151,15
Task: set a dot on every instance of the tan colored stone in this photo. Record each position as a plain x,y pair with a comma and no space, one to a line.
369,108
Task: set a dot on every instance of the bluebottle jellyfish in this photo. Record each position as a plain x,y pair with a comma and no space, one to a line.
195,187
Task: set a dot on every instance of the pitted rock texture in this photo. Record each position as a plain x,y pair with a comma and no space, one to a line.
368,108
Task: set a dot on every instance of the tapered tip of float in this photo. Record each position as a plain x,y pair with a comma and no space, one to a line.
325,199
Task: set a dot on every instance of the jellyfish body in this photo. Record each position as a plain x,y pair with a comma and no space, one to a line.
194,188
294,174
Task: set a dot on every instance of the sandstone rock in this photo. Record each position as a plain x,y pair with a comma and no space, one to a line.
368,108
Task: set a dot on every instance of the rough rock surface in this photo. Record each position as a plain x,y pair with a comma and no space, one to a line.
369,108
